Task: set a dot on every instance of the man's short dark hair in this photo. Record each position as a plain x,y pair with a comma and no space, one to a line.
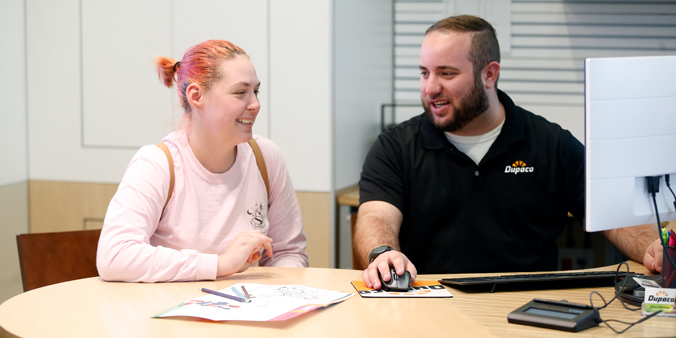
485,48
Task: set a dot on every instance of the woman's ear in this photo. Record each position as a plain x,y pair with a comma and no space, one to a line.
491,73
194,95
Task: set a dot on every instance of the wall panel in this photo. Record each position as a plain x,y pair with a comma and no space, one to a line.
301,50
362,74
13,132
98,99
68,206
13,221
316,211
54,106
123,103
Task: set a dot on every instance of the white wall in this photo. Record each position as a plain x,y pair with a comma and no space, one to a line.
98,99
362,72
244,23
122,99
13,93
55,115
13,144
301,99
92,104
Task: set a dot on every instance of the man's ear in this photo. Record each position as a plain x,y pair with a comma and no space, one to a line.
194,95
490,74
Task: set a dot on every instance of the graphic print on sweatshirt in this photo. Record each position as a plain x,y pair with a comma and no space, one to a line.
257,219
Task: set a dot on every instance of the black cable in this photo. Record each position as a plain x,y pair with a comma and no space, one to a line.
666,179
630,324
619,291
653,188
624,284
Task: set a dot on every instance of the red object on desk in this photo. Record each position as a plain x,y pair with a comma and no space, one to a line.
672,238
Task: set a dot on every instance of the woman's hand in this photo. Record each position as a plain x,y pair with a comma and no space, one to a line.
243,251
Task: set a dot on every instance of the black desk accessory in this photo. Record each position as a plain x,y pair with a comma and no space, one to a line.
535,281
558,315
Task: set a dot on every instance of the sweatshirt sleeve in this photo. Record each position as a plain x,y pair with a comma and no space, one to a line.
286,225
124,251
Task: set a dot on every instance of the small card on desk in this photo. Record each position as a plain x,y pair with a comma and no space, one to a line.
419,289
659,299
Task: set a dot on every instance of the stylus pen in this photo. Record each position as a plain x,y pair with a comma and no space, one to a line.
222,295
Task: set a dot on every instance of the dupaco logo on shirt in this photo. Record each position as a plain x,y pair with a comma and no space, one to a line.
518,167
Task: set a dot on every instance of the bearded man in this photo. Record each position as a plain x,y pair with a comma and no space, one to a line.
475,183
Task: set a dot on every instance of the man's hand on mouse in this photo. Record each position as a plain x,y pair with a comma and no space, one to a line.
382,263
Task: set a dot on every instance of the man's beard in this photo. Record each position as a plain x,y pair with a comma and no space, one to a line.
469,108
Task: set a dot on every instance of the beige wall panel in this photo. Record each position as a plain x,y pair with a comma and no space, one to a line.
316,211
13,221
93,223
65,206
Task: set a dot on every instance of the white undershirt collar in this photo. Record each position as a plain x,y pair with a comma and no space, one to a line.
475,147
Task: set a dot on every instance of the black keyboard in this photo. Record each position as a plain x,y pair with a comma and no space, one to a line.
556,280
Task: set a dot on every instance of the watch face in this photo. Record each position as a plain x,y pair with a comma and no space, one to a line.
379,250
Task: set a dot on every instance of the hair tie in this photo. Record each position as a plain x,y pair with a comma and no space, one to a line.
176,65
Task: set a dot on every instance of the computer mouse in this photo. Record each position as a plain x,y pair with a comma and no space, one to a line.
397,282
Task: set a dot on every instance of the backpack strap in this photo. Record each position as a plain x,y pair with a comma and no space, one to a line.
164,148
260,161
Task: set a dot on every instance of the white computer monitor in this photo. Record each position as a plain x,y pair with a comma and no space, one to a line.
630,133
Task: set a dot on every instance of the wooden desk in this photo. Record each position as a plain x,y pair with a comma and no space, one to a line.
93,308
348,196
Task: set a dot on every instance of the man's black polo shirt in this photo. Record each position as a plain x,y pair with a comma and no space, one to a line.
501,215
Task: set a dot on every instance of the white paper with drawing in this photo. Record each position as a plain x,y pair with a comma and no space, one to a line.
268,303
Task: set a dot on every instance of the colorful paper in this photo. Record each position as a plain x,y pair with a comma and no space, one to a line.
268,303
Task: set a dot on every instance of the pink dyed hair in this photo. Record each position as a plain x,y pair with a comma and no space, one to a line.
199,65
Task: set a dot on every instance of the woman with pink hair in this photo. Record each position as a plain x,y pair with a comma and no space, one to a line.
220,218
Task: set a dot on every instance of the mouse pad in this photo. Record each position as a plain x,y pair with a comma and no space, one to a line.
419,289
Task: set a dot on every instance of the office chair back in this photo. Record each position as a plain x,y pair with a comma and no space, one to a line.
55,257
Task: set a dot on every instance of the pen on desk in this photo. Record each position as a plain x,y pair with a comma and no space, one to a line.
246,293
222,295
672,238
239,294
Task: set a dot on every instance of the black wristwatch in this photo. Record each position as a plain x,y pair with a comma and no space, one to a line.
379,250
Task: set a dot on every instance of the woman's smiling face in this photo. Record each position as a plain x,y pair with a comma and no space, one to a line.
229,108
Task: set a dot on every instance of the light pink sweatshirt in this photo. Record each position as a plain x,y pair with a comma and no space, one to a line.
204,214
